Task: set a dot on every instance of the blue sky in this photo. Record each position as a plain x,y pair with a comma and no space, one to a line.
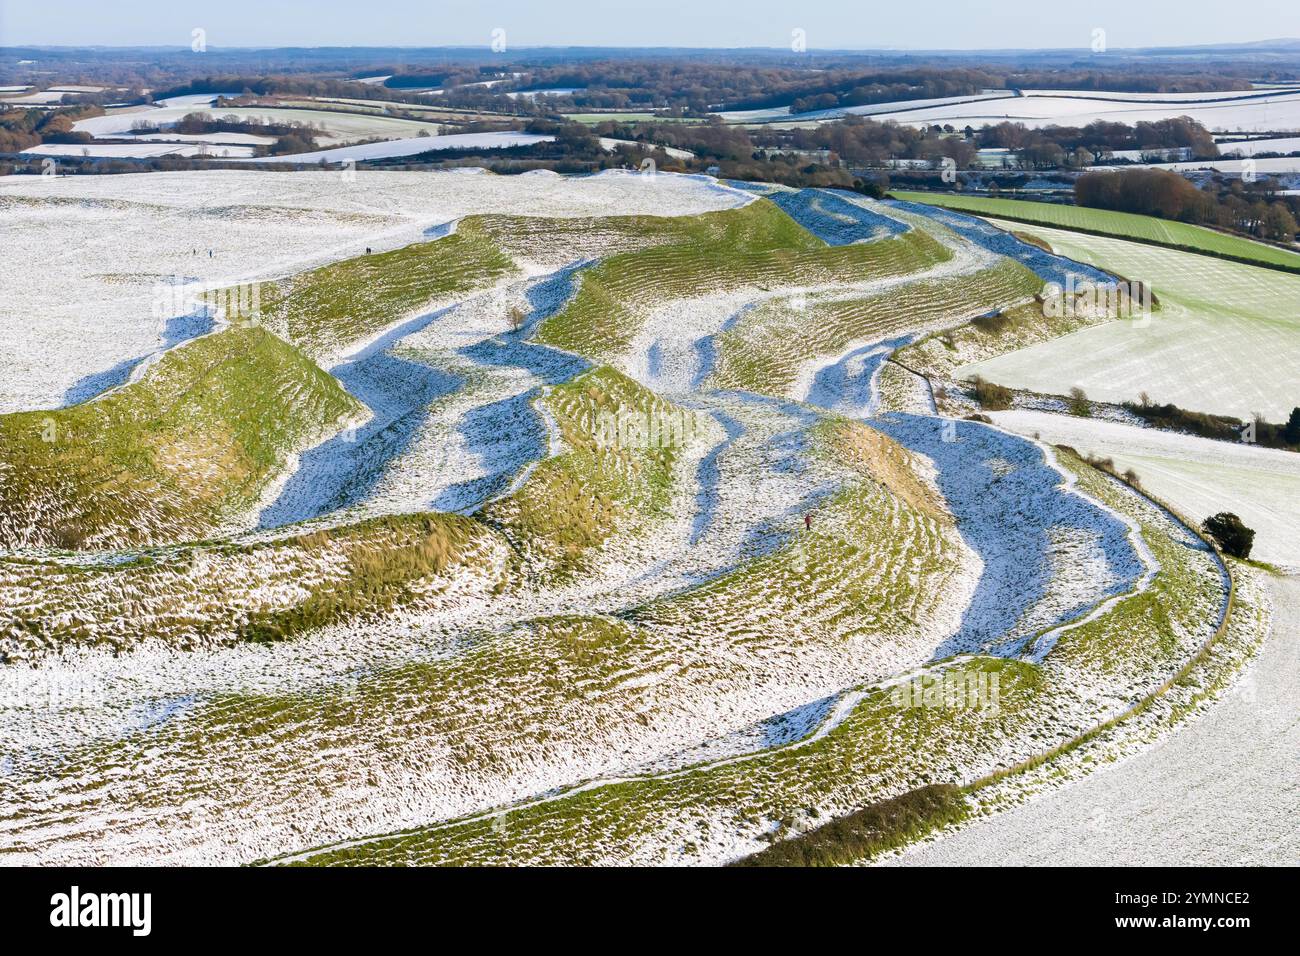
839,24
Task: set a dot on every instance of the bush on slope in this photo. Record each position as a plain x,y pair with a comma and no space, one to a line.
170,457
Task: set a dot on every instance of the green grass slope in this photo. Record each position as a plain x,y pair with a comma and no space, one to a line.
681,257
765,350
329,308
170,457
597,486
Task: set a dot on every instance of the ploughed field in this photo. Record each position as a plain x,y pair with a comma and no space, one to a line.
532,519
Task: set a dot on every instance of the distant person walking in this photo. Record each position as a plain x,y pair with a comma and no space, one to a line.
807,521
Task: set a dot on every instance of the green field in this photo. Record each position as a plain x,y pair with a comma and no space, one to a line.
1225,340
1124,225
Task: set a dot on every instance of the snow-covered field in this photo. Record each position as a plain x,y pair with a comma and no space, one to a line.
1197,476
742,587
1225,340
393,148
333,125
143,150
1228,112
610,144
85,255
1269,166
1253,147
1220,792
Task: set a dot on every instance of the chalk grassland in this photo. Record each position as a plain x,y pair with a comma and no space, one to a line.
170,457
106,243
444,656
573,502
217,594
570,506
326,310
940,354
1226,338
765,350
1122,225
537,695
757,245
716,812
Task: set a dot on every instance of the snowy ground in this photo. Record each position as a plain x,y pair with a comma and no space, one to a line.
1233,111
87,255
1198,476
143,150
1289,144
1220,792
1049,554
1224,340
453,421
394,148
333,126
462,685
1230,112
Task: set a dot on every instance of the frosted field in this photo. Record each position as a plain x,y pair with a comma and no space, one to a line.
1269,166
410,147
98,247
778,113
1198,476
232,139
1253,147
652,617
138,150
52,96
1220,793
1226,338
335,126
1229,112
609,144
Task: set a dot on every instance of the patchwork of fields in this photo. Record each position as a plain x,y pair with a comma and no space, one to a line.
541,520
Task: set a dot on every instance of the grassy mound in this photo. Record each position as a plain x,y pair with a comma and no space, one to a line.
942,353
865,833
765,350
170,457
616,473
268,591
329,308
755,245
868,768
